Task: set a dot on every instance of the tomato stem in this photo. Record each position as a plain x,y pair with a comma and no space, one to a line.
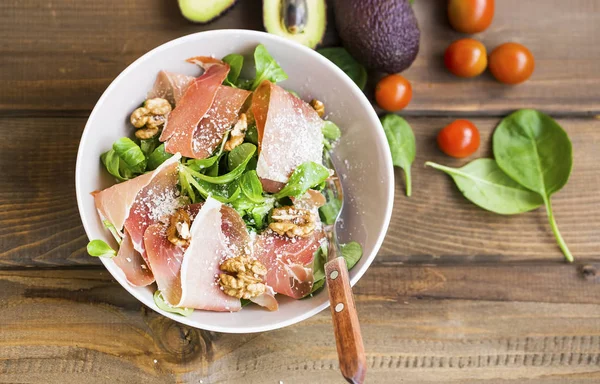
557,235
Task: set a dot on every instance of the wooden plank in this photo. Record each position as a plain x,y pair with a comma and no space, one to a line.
41,226
59,57
69,326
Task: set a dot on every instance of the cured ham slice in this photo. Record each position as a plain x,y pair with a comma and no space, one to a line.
120,205
132,264
156,202
166,257
288,261
310,200
289,133
170,86
201,261
196,100
204,113
267,300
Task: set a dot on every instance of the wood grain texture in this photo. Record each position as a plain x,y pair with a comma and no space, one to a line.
58,57
40,223
73,326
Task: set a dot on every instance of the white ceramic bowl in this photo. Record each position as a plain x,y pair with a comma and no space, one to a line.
363,154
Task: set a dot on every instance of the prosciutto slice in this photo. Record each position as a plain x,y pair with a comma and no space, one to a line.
166,257
170,86
158,200
289,133
200,267
288,261
123,206
132,264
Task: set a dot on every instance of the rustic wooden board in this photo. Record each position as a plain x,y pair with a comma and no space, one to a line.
420,324
41,225
58,57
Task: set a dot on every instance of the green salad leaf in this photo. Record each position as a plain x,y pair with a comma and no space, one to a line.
329,211
157,157
351,252
236,62
266,68
99,248
113,231
252,187
131,154
486,185
162,304
401,140
240,155
331,131
149,145
252,134
535,151
305,176
340,57
247,152
112,163
201,164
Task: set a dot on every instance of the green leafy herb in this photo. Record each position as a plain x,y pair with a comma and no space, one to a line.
112,163
252,134
247,151
162,304
329,211
252,187
236,62
305,176
245,302
149,145
331,131
486,185
351,252
240,155
131,154
340,57
401,140
266,67
99,248
536,152
224,192
157,157
201,164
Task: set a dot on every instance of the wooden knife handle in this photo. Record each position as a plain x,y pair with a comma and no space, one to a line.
348,338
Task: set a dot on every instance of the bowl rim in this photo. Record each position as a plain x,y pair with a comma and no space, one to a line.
387,171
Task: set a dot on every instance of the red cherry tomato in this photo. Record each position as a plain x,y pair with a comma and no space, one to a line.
511,63
459,139
466,58
393,93
470,16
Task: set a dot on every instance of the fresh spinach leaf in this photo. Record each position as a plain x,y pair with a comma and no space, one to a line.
329,211
149,145
236,62
351,252
304,177
535,151
252,134
99,248
266,67
240,154
162,304
401,140
340,57
252,187
131,154
331,131
486,185
157,157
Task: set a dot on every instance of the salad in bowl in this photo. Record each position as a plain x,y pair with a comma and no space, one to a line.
201,179
219,196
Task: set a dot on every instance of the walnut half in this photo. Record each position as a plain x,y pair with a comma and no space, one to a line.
236,137
150,117
178,231
318,106
292,221
245,280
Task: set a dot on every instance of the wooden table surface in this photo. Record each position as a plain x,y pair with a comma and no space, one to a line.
456,294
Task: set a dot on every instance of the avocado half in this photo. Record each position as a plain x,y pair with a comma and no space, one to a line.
204,11
383,35
303,21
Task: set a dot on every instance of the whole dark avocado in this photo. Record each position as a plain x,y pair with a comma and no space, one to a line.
381,34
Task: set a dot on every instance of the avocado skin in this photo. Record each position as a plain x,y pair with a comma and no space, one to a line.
383,35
